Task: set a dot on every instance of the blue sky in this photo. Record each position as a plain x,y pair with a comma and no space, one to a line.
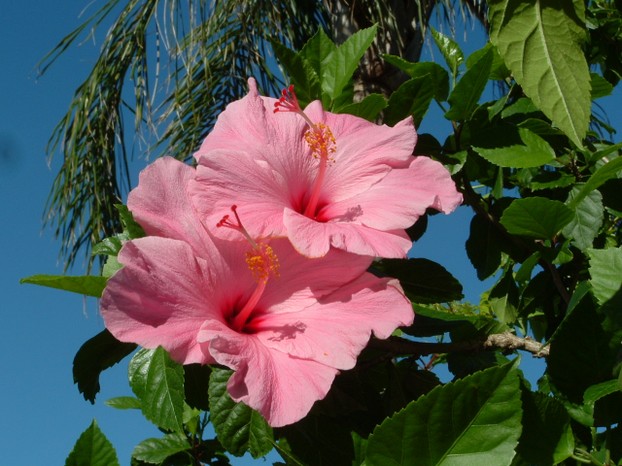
42,413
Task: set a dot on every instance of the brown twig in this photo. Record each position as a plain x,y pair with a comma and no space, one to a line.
506,342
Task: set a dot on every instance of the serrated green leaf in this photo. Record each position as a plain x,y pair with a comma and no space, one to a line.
88,285
96,355
534,153
588,217
540,42
536,217
449,48
130,227
158,382
156,450
124,402
108,246
342,62
606,272
368,108
412,98
472,421
606,172
547,436
317,50
424,281
463,99
432,322
92,449
440,79
238,427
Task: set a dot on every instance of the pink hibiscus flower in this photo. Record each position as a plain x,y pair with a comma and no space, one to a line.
285,323
318,178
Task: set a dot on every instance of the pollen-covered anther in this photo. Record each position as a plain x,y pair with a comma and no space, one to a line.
263,262
321,141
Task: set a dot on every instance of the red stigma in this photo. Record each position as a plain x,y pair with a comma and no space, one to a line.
288,102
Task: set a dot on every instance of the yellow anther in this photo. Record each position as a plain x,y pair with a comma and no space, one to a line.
321,141
263,262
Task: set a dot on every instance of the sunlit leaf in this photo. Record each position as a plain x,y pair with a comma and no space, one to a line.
88,285
156,450
463,99
536,217
540,42
92,449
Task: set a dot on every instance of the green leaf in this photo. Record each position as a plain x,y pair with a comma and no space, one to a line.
472,421
96,355
438,75
238,427
541,43
342,62
449,48
156,450
606,172
498,69
483,247
580,354
158,382
130,227
600,86
368,108
606,272
88,285
588,218
503,299
463,99
536,217
600,390
424,281
124,402
547,436
306,81
534,153
317,51
92,449
412,98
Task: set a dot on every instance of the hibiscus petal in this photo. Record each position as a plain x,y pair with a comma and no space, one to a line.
336,329
160,203
282,388
313,239
302,280
401,197
160,297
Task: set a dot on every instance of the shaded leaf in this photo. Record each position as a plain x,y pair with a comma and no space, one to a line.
423,280
482,247
540,42
92,449
304,78
438,75
606,172
588,217
156,450
547,436
412,98
498,70
238,427
88,285
472,421
463,99
536,217
368,108
97,354
158,382
534,153
503,299
600,86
